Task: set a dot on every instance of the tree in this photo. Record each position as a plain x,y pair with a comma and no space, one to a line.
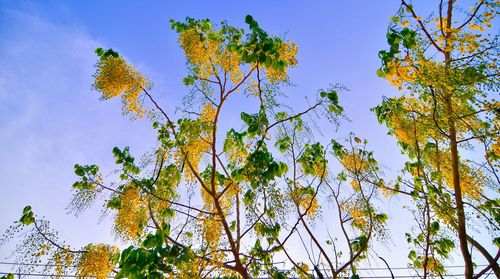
224,202
447,65
213,201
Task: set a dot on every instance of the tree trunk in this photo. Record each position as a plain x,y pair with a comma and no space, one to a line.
461,227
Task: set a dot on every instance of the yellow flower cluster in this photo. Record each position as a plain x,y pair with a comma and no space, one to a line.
42,250
354,162
211,226
319,168
233,189
96,262
307,202
468,43
386,192
209,56
199,142
356,186
230,63
431,73
199,268
358,215
303,271
471,180
237,155
287,52
196,50
403,130
476,27
212,231
434,265
195,148
62,259
207,113
252,87
441,24
410,126
399,72
132,215
113,77
495,147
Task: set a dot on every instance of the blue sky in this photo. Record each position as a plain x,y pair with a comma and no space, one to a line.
50,119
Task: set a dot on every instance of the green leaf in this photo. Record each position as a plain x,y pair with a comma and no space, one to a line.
395,19
333,100
313,159
114,203
256,122
434,227
249,197
99,51
496,241
28,216
189,80
412,255
79,170
284,143
150,241
103,54
27,209
380,73
338,149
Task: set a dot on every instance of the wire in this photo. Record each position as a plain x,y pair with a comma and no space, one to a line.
362,277
36,274
46,274
36,264
361,268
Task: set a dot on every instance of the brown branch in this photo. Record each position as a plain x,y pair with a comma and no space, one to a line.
472,15
39,230
388,267
239,83
409,7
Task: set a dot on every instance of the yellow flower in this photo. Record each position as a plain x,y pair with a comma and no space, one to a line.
208,113
359,215
353,162
287,53
476,27
495,147
96,262
132,215
303,271
399,72
212,230
196,50
307,202
114,77
62,260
